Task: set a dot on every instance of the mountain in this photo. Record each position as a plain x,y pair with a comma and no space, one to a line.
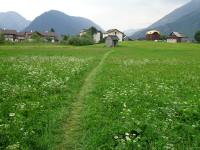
13,20
184,19
130,32
60,22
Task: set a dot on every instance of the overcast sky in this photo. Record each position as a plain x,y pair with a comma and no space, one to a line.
122,14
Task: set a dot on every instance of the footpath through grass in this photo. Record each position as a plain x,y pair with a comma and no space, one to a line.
72,127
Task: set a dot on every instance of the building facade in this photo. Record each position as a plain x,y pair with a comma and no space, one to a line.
176,37
111,41
153,35
114,32
14,36
9,35
96,35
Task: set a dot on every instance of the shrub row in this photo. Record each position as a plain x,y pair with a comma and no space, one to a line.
79,41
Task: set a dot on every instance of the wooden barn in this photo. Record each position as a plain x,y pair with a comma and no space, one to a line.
176,37
153,35
111,41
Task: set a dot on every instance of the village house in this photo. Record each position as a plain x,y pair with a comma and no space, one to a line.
47,36
20,36
50,36
14,36
153,35
176,37
83,32
9,35
28,36
115,32
96,35
111,40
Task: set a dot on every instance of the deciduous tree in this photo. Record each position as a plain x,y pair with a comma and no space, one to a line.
2,39
197,36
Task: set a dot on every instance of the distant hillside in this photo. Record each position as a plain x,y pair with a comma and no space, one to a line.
184,19
131,31
61,23
13,20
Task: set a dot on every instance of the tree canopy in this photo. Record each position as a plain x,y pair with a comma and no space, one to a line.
197,36
52,30
2,39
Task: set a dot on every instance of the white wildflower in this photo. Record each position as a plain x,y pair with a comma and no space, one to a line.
194,126
124,105
13,147
128,138
11,114
116,137
127,134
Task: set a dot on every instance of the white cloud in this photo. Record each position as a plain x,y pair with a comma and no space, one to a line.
122,14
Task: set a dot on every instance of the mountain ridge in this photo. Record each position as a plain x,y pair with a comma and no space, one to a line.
183,19
61,22
13,20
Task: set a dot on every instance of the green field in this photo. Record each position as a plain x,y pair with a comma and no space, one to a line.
140,95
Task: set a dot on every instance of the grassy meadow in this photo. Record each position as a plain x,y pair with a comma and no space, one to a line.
142,95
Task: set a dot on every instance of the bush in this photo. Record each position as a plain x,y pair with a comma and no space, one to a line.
2,39
65,38
163,37
197,36
91,31
52,30
79,41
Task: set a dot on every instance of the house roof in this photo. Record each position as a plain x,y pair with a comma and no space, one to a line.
152,32
44,34
21,33
113,37
29,33
177,34
8,32
84,30
48,34
113,30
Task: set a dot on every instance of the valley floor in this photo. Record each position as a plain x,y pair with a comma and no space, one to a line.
140,95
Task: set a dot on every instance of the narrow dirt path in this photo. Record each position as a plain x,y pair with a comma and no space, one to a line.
72,126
